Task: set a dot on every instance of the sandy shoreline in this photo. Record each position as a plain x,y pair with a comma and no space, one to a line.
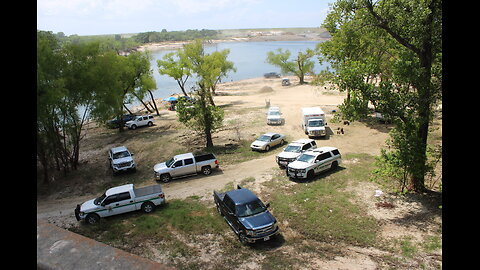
172,45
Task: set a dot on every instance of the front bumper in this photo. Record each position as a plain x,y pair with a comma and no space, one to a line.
263,236
258,148
121,167
317,133
283,162
78,216
296,173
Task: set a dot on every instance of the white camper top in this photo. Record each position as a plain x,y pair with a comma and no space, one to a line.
312,111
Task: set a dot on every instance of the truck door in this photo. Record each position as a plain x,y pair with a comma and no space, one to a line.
230,208
178,169
119,203
189,166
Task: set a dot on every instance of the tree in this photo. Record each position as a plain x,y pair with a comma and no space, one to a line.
124,79
203,116
177,66
300,67
389,53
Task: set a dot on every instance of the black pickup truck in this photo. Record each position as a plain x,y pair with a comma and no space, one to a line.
246,214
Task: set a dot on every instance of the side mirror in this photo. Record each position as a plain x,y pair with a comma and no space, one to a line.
131,154
103,204
267,205
316,161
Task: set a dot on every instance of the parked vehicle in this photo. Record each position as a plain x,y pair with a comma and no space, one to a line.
246,214
185,165
285,82
274,117
313,122
118,200
116,123
121,159
271,75
267,141
313,162
141,120
294,150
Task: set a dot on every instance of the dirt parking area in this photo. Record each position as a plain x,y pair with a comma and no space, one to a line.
409,222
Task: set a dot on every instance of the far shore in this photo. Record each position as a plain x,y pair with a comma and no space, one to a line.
172,45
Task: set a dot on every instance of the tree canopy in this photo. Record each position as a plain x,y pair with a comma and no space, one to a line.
388,53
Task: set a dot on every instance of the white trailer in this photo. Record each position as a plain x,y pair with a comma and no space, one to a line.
313,122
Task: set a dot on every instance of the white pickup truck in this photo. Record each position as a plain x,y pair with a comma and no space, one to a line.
118,200
185,165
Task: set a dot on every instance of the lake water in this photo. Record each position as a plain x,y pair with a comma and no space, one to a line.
248,57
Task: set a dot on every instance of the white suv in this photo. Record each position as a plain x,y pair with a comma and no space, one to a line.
294,150
313,162
138,121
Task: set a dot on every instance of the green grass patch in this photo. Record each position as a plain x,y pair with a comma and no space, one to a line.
320,209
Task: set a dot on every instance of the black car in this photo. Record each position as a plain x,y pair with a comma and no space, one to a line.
271,75
116,123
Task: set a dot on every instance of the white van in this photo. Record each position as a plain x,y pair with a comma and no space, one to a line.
313,122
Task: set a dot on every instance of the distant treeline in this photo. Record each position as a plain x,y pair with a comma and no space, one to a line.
164,35
121,42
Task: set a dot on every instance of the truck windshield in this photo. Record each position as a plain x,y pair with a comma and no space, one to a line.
315,123
273,113
293,148
170,162
98,200
264,138
306,158
121,154
250,208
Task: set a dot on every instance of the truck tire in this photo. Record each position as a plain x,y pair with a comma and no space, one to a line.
134,127
310,174
267,148
243,238
92,218
148,207
165,178
150,124
206,170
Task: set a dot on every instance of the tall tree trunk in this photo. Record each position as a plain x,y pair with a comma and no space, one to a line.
153,101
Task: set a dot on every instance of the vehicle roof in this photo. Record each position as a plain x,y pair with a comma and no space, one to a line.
119,189
312,110
119,149
320,150
301,141
270,134
183,156
242,196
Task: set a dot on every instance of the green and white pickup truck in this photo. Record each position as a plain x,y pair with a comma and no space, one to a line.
118,200
312,162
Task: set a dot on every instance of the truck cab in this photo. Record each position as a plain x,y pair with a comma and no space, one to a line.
246,214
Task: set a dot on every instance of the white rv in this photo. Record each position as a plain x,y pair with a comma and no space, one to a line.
314,121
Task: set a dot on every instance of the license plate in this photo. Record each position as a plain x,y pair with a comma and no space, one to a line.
266,238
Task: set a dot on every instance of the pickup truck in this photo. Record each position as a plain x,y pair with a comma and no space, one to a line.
118,200
312,162
185,165
246,214
121,159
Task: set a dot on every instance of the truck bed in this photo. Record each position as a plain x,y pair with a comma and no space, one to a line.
144,191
